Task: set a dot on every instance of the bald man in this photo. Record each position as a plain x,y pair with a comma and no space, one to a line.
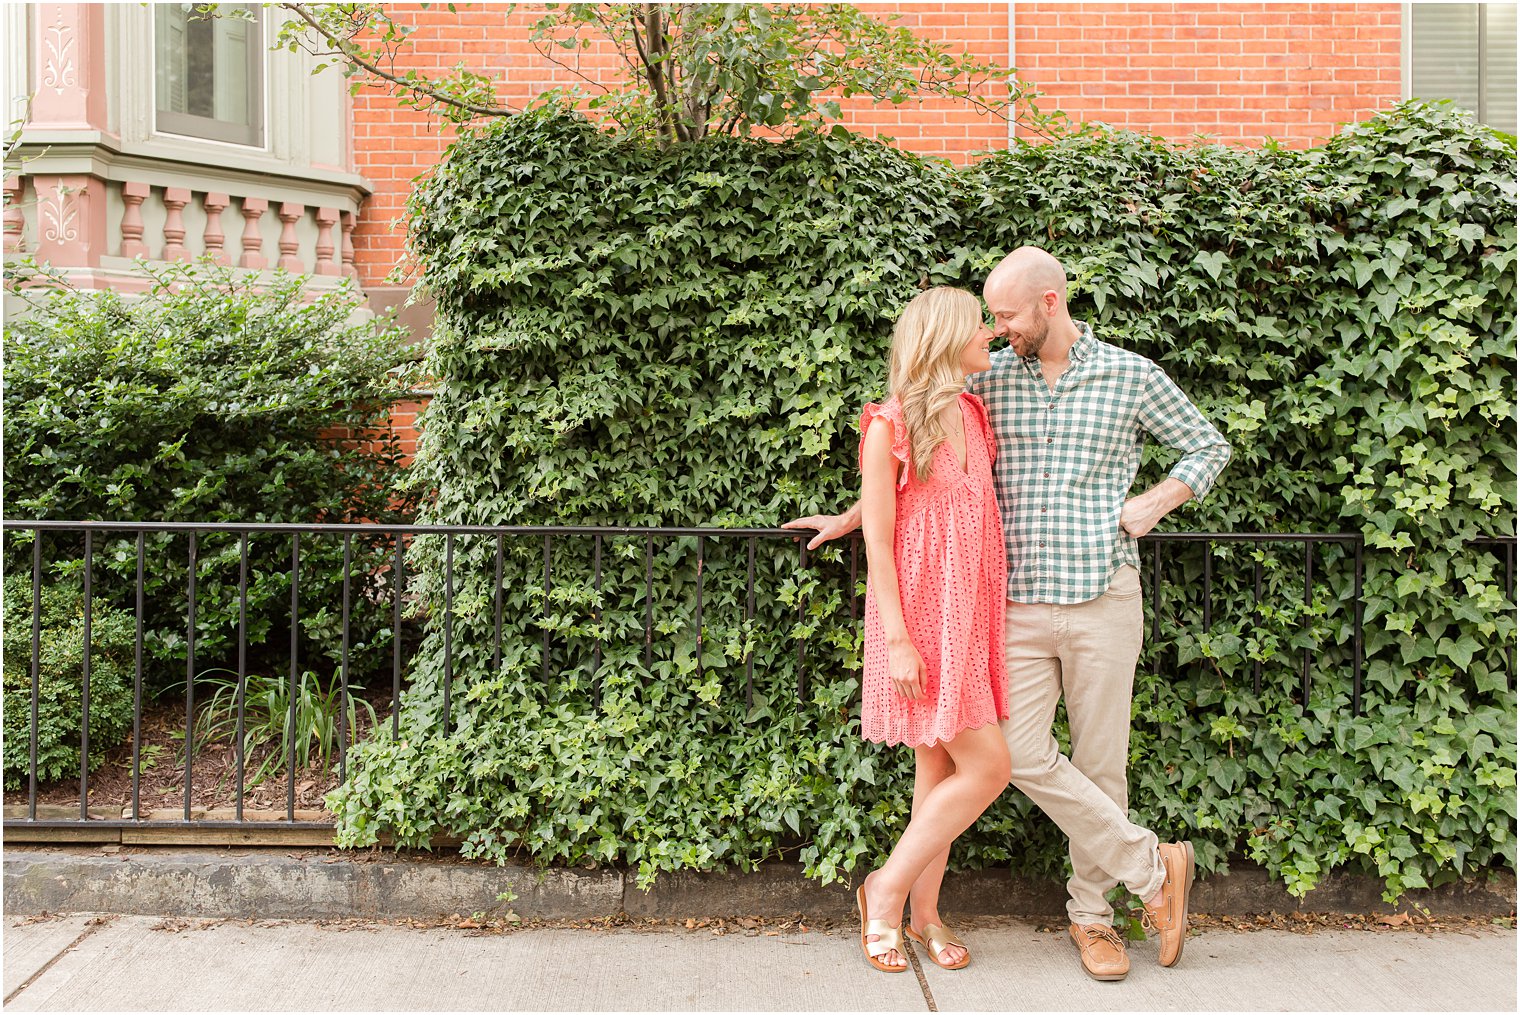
1070,413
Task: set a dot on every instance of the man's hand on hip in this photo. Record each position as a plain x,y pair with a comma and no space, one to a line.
1143,511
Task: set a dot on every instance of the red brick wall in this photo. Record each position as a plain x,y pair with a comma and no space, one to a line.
404,421
942,127
392,144
1238,72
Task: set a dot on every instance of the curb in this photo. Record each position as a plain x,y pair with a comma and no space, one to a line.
281,884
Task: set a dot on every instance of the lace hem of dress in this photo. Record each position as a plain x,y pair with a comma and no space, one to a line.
890,741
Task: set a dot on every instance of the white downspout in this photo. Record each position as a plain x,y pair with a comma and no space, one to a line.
1013,124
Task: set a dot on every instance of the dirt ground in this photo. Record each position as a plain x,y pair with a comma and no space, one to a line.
213,769
503,922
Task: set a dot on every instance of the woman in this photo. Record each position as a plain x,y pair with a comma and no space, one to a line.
934,674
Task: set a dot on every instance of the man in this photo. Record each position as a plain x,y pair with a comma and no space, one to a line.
1070,413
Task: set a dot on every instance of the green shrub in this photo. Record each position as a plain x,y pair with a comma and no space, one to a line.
208,399
309,730
60,680
679,337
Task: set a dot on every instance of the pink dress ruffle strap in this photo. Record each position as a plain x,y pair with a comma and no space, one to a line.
952,574
986,424
902,447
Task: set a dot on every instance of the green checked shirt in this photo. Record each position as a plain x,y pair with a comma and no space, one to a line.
1066,460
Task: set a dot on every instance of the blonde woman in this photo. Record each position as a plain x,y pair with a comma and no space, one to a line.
934,675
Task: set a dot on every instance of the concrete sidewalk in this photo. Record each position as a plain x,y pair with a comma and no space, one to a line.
142,963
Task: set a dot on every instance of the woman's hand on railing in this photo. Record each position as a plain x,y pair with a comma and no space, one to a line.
829,526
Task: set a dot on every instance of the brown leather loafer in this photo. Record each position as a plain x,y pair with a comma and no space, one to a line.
1168,915
1102,949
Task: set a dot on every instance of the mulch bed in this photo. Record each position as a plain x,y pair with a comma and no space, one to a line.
498,922
213,769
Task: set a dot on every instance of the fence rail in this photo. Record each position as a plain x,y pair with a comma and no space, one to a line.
1151,547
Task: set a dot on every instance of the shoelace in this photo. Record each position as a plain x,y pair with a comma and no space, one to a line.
1098,930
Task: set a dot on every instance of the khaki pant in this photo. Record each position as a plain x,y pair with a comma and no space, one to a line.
1086,652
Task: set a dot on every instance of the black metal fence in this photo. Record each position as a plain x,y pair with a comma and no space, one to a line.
1350,544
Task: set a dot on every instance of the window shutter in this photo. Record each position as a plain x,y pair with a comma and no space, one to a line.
1447,60
1444,54
231,83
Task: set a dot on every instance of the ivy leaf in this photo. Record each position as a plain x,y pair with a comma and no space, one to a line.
1212,262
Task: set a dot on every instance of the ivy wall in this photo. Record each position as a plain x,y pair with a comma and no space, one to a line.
631,335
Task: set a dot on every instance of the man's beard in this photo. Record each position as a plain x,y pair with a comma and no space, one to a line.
1034,343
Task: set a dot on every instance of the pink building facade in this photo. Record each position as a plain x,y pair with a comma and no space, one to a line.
95,181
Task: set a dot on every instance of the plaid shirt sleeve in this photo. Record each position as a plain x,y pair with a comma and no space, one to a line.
1170,416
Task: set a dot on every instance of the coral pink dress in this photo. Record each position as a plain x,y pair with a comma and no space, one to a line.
952,574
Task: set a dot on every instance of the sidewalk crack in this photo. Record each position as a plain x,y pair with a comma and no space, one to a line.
95,924
923,982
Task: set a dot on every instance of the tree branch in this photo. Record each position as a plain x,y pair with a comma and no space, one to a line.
622,50
547,54
352,52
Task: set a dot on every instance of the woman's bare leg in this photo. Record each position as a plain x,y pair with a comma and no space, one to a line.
948,809
932,766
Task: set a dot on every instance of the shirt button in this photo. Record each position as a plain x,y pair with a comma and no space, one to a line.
1050,440
1052,405
1042,511
1042,544
1047,475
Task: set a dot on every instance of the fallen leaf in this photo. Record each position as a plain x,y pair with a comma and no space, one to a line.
1396,920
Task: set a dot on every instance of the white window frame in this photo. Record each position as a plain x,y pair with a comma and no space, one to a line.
262,89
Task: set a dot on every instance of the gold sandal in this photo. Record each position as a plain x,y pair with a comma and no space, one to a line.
938,940
888,938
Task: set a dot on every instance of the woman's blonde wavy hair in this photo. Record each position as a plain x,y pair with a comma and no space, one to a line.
925,371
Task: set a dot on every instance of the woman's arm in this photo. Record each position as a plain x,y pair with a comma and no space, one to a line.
828,526
878,512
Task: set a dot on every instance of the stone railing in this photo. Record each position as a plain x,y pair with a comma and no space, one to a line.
101,226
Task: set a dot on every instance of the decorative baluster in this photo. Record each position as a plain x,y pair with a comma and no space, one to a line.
175,199
326,219
15,221
253,240
214,240
349,269
133,195
290,247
